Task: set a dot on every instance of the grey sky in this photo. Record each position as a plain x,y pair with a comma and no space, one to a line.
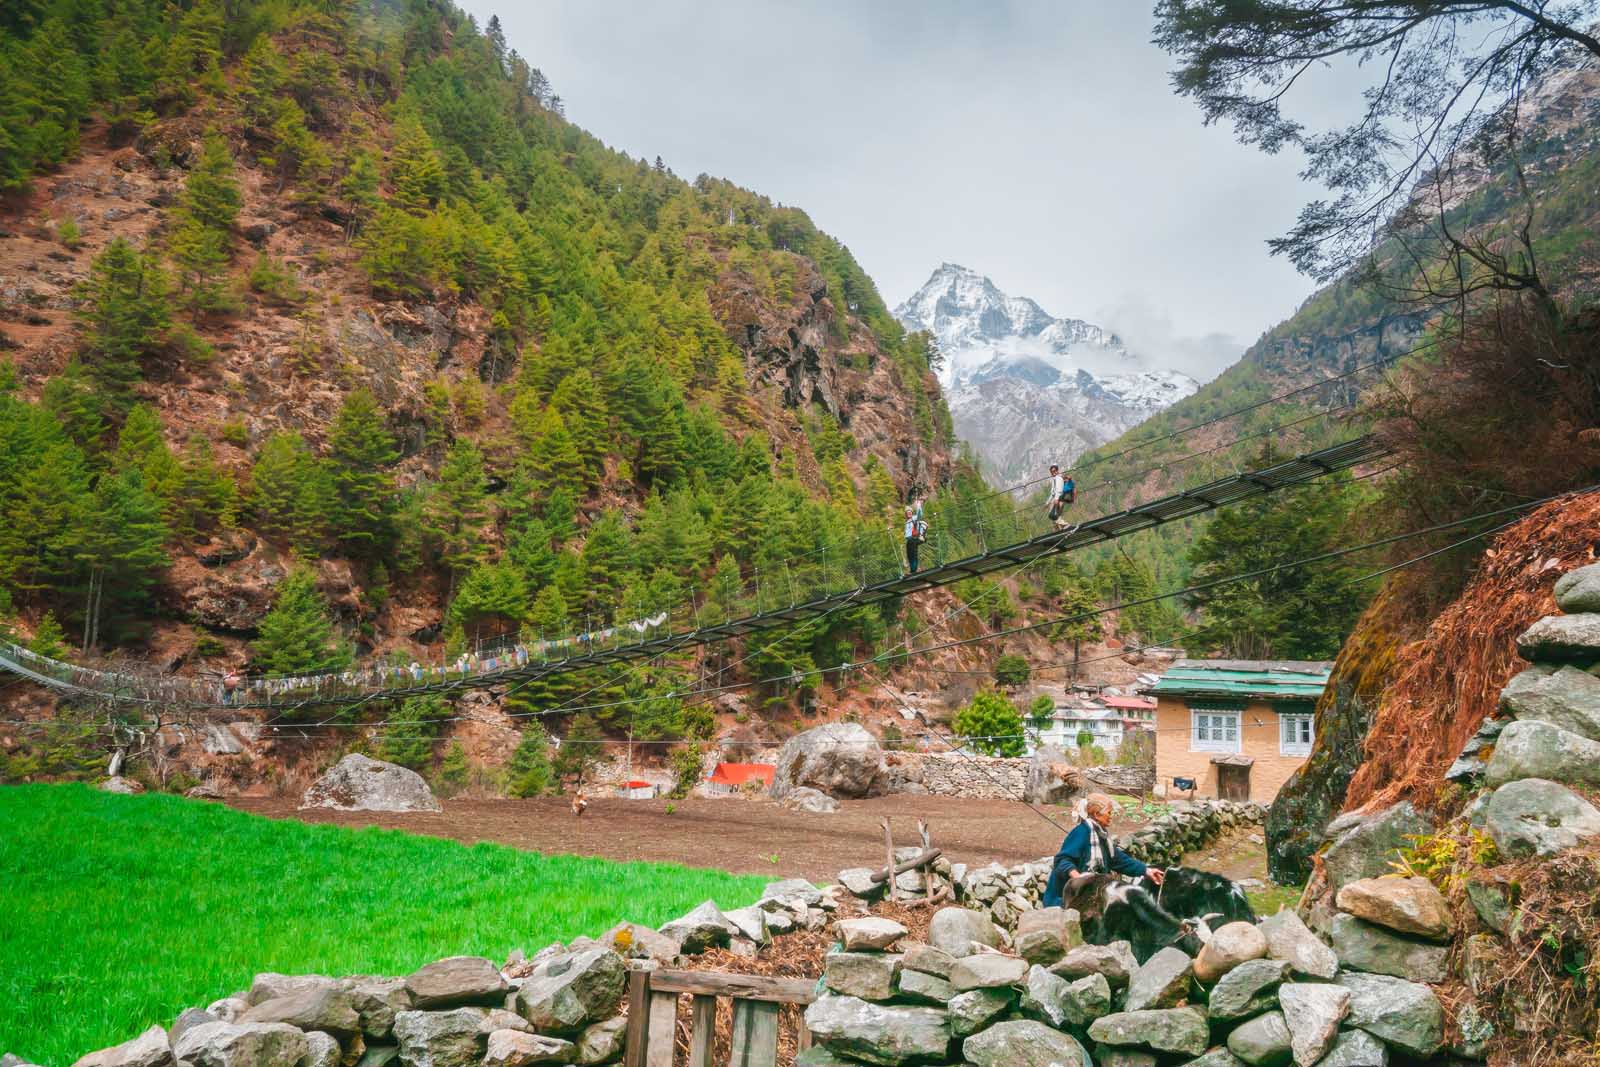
1036,142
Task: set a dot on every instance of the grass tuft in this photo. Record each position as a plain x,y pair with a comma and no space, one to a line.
119,912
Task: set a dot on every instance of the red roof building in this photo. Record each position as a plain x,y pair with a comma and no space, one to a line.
729,777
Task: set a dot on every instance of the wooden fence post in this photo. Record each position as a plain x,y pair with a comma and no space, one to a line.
638,1034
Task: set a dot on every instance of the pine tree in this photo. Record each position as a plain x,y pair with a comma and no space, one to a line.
583,411
490,591
119,544
415,169
407,734
548,618
722,599
454,771
608,562
207,496
362,450
48,639
142,446
528,549
45,506
297,635
455,511
211,194
77,403
60,83
360,186
125,315
528,772
554,458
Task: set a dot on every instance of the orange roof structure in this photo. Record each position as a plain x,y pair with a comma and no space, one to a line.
1130,703
737,774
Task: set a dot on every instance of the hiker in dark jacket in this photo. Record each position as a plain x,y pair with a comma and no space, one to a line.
1090,849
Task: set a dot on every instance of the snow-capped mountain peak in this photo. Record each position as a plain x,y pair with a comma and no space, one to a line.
1027,388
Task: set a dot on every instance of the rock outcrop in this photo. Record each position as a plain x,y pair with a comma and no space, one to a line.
840,759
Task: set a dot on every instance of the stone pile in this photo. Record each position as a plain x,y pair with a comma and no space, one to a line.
1188,827
1263,995
1546,739
459,1012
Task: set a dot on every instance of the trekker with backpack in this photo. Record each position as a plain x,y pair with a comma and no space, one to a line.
1063,491
916,533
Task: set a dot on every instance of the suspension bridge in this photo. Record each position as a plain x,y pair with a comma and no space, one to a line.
864,573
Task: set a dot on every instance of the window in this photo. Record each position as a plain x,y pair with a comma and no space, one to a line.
1294,735
1214,731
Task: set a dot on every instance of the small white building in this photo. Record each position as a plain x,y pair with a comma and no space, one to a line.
638,789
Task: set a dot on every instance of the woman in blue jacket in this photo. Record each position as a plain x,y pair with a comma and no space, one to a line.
1090,849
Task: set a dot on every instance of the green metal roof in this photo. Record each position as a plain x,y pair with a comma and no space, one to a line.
1213,679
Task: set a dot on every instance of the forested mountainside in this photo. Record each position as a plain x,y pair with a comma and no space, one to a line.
325,334
1356,322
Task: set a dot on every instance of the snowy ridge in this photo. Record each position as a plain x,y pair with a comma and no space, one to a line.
1026,389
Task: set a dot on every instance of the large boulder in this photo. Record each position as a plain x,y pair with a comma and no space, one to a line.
514,1048
1289,939
971,1011
1535,749
1162,981
1405,1014
568,991
879,1033
361,783
328,1010
1023,1043
453,1038
149,1049
1264,1041
632,941
1568,698
376,1000
956,930
868,975
1362,946
454,981
1043,935
1578,590
1313,1012
223,1044
811,801
868,932
1535,817
840,759
1356,1048
1052,779
1249,989
1230,945
704,927
1406,905
1562,639
1115,962
987,970
1365,846
1162,1029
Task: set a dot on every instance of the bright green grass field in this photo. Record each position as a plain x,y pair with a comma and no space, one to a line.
117,912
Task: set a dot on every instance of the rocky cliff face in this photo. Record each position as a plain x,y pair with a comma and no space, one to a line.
1026,389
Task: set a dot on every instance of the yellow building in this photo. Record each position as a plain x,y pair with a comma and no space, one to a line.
1234,729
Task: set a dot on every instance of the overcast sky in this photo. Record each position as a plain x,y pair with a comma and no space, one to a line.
1035,141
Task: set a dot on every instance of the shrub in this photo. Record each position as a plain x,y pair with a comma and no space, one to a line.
274,281
993,724
453,771
408,733
68,234
1011,671
686,762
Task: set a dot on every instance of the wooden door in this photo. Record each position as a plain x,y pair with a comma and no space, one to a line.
1233,783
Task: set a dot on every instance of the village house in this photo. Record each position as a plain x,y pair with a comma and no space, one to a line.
1106,718
727,779
1234,729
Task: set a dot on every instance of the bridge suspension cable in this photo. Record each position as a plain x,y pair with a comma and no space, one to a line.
1010,539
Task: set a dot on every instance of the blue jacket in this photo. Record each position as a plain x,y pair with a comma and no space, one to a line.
1074,857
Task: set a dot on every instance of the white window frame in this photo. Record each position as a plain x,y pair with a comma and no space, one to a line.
1208,729
1290,727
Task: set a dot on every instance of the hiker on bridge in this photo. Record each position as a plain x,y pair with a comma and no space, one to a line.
916,533
1063,491
1090,849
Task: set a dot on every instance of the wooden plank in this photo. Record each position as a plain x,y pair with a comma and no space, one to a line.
745,986
755,1034
638,1038
927,856
663,1028
702,1027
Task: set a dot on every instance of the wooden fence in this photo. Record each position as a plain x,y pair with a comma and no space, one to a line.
653,1015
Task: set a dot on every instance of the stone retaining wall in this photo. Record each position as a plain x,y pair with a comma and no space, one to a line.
1166,839
951,774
